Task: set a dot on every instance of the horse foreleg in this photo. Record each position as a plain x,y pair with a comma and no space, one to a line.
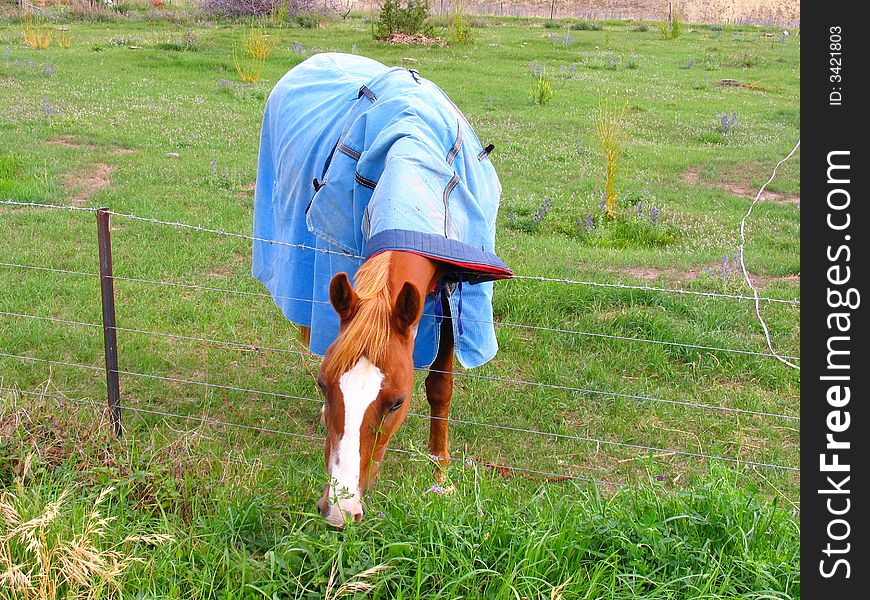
305,335
439,391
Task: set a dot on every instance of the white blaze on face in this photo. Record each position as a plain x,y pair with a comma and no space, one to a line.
360,387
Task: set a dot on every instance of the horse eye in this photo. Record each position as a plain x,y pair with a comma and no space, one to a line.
396,405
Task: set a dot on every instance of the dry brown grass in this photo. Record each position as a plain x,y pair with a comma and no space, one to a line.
49,550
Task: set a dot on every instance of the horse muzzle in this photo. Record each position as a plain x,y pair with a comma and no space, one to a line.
339,514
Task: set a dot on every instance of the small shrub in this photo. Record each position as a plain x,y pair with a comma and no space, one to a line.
305,20
542,88
550,24
712,137
640,28
184,43
673,28
403,16
523,220
458,28
587,26
727,122
746,61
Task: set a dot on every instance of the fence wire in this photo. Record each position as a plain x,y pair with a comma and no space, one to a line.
270,431
518,277
494,322
501,427
240,345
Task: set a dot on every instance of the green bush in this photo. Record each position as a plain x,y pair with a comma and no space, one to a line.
586,26
403,16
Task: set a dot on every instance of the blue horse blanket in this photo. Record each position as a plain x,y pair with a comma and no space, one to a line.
355,159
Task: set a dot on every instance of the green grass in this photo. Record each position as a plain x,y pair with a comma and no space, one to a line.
239,530
181,136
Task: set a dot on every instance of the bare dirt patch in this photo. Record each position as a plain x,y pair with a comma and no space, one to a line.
70,141
692,176
86,183
246,190
653,274
417,39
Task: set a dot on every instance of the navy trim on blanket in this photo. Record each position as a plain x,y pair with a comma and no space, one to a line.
348,151
365,182
451,185
457,145
473,265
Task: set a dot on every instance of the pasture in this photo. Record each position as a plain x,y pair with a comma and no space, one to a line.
148,117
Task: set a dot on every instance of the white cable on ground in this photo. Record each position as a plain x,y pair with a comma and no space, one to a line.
743,261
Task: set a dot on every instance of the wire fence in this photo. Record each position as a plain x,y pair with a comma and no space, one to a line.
242,345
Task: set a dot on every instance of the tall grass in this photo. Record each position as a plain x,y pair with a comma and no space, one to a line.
248,68
610,125
53,545
259,44
218,527
37,32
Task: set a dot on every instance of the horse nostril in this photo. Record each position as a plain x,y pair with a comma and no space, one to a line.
358,517
323,507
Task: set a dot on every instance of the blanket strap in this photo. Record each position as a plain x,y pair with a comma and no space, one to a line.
364,91
485,152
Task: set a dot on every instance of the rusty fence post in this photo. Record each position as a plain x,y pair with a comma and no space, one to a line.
110,341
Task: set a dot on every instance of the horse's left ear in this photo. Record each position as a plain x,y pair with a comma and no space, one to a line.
408,307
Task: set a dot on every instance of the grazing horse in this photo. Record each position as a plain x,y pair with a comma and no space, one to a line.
372,174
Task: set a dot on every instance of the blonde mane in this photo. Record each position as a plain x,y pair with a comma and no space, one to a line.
368,331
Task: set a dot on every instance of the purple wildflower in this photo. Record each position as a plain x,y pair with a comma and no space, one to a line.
48,70
660,477
727,123
543,210
586,225
654,215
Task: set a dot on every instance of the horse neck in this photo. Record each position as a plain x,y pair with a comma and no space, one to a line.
423,272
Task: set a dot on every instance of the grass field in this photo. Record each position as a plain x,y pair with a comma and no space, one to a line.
149,117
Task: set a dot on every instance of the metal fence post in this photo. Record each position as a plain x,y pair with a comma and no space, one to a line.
107,289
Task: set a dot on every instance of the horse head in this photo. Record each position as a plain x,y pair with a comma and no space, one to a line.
367,374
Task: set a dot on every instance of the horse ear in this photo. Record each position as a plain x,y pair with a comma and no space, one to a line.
408,307
342,296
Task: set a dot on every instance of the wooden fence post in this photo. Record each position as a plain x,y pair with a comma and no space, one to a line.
110,341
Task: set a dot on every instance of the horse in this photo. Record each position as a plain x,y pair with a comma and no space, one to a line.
371,173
